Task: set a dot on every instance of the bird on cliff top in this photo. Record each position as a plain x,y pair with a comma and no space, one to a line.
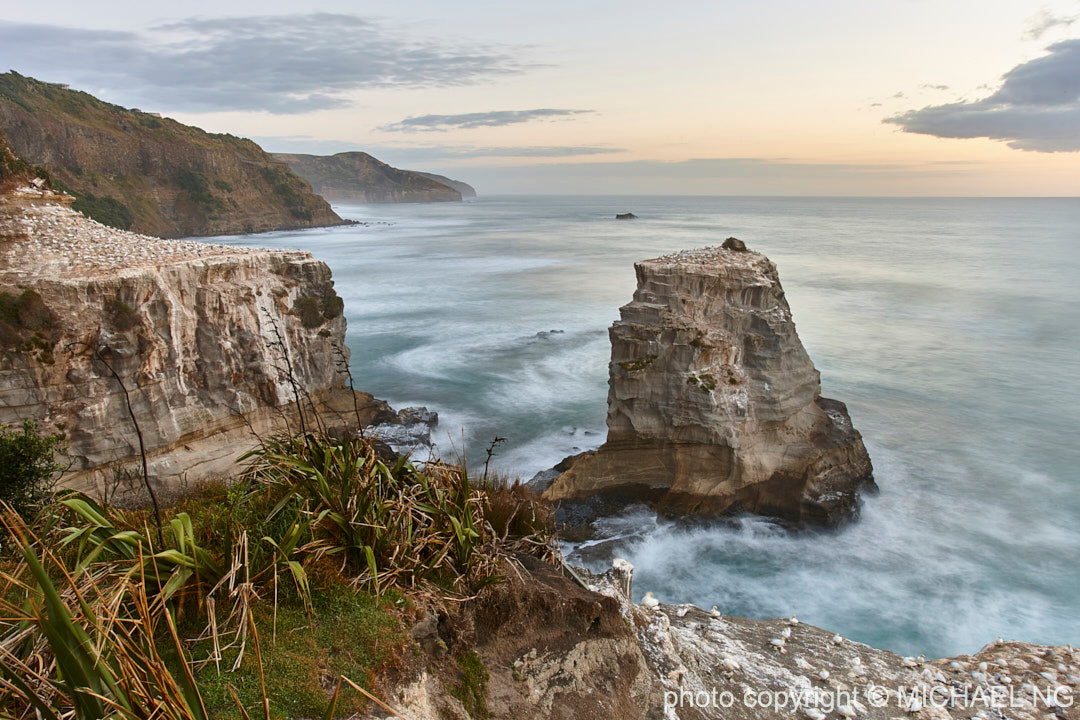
649,601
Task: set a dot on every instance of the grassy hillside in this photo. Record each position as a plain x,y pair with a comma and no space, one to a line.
358,177
138,171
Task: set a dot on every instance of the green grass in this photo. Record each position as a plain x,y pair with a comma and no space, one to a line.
282,553
350,635
471,689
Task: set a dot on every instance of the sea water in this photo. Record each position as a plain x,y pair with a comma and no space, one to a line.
950,327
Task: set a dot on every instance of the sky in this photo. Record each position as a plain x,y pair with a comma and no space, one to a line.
835,97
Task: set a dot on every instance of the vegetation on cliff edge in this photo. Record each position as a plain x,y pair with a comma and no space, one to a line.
300,572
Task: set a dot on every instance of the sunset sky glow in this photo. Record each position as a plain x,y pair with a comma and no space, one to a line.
780,98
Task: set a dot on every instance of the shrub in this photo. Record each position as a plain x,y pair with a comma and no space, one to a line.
27,465
106,210
308,309
332,306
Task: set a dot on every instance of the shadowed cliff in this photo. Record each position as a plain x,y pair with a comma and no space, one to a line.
138,171
360,178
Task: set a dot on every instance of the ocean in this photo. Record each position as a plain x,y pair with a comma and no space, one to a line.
950,327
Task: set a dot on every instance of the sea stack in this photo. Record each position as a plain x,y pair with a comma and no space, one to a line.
714,405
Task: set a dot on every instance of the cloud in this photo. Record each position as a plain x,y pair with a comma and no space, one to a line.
280,64
1043,21
1036,108
934,87
468,121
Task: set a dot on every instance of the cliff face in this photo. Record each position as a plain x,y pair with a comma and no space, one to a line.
466,190
555,649
135,170
714,405
358,177
196,332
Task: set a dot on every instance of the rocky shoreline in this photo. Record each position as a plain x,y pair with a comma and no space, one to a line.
193,331
572,645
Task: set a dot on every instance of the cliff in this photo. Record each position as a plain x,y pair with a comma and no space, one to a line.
359,178
199,334
135,170
714,405
466,190
546,647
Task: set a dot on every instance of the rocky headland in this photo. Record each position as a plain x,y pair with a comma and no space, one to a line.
138,171
714,405
467,191
211,343
356,177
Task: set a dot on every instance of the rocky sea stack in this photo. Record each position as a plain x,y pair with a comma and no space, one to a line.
714,405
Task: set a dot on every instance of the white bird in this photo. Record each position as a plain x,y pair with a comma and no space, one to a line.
777,642
824,674
814,714
909,662
649,601
731,663
793,620
915,706
681,612
785,633
955,666
714,612
837,640
847,711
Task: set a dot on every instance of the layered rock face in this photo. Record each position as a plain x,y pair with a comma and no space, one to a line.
555,649
714,405
360,178
138,171
202,337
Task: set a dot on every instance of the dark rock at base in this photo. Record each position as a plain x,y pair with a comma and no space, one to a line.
714,407
407,432
626,216
734,243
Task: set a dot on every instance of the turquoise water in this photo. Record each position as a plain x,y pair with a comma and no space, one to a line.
950,327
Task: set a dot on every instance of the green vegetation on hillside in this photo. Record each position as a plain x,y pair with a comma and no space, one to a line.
281,596
135,170
359,177
106,210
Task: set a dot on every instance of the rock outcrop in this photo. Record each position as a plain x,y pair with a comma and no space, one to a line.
552,648
356,177
714,405
203,337
135,170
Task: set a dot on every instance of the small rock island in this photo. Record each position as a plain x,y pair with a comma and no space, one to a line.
714,405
